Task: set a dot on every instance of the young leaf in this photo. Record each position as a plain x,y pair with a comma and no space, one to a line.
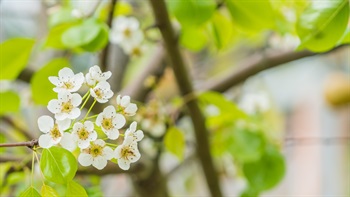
221,30
30,192
266,172
252,15
9,102
58,165
193,39
41,86
81,34
192,12
47,191
14,55
321,25
100,40
61,16
174,141
74,189
53,39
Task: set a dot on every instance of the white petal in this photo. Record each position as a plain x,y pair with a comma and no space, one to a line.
99,162
109,111
108,152
45,123
158,129
54,80
125,101
119,121
85,159
63,124
108,94
89,125
83,144
133,23
89,80
104,85
64,96
77,126
65,73
123,164
92,92
100,142
45,141
92,136
68,142
101,100
139,135
75,113
106,75
133,126
135,157
53,106
118,99
131,109
117,152
99,119
61,116
76,99
113,134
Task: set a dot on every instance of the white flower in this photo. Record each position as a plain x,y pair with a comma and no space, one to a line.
155,126
84,133
65,106
66,80
255,103
96,154
133,49
101,92
125,31
68,141
132,134
77,13
53,132
95,75
124,105
110,122
127,153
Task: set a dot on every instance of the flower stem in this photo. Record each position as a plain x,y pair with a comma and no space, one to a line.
87,96
41,173
90,109
32,175
110,144
94,116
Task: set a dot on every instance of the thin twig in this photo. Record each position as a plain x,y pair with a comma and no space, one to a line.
29,144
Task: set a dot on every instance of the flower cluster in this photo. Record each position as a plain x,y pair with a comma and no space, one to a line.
127,34
70,132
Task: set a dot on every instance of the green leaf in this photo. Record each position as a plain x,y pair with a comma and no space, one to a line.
9,102
30,192
193,39
81,34
174,142
192,12
54,38
61,16
321,25
246,145
221,30
74,189
250,192
14,55
58,165
41,87
47,191
345,39
100,40
252,15
266,172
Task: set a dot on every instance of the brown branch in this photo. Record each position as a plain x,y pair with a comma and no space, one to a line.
29,144
104,54
155,67
255,65
185,86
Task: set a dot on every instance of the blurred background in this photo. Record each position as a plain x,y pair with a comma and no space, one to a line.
307,104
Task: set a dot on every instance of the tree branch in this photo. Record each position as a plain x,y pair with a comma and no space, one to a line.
185,86
255,65
29,144
104,54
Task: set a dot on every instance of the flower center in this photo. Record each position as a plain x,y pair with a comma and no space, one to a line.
126,151
96,150
127,32
67,107
68,85
83,134
136,51
107,123
55,132
98,93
